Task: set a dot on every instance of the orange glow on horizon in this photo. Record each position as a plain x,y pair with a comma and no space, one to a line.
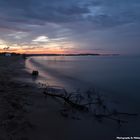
51,51
34,51
50,48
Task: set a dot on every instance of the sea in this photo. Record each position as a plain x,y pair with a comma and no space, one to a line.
117,77
118,74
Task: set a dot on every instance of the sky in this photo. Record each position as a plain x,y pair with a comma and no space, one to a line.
70,26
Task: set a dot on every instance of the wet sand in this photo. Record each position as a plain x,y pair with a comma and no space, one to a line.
14,94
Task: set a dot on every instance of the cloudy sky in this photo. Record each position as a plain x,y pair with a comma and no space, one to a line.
70,26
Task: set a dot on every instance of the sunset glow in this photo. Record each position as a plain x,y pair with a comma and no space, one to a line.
70,27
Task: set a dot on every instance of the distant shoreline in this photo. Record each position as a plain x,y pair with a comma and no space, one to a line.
72,54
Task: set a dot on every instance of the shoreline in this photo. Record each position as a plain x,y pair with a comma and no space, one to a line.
25,113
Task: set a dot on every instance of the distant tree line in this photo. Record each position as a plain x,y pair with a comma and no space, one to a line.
12,54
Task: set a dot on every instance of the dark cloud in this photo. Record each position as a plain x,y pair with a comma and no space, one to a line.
39,12
77,20
43,10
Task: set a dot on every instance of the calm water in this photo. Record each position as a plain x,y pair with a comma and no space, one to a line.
116,76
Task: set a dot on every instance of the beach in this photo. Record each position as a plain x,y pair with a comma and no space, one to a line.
13,98
27,114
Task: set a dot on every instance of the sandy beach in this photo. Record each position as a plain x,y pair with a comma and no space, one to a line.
27,114
13,98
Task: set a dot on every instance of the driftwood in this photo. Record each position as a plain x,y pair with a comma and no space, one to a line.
94,105
68,101
35,73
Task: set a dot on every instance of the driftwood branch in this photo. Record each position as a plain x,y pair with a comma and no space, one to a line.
68,101
94,105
